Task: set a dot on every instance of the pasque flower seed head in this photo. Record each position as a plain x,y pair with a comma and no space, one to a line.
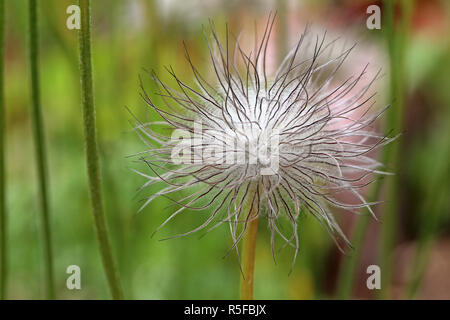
257,143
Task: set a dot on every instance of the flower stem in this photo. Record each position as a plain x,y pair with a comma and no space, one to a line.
396,36
109,264
38,135
3,247
346,277
248,255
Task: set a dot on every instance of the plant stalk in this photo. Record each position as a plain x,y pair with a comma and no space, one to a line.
248,257
347,270
40,149
92,159
3,217
396,36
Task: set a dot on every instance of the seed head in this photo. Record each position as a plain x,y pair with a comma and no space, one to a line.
253,143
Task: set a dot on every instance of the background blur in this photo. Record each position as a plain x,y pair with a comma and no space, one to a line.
128,36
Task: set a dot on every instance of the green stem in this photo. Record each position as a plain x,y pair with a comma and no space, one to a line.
109,265
248,257
38,135
396,36
387,236
3,246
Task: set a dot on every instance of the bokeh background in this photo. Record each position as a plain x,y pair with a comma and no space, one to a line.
133,35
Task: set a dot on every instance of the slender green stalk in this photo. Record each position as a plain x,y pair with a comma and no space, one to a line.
84,38
248,257
3,246
38,135
396,36
387,239
346,277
